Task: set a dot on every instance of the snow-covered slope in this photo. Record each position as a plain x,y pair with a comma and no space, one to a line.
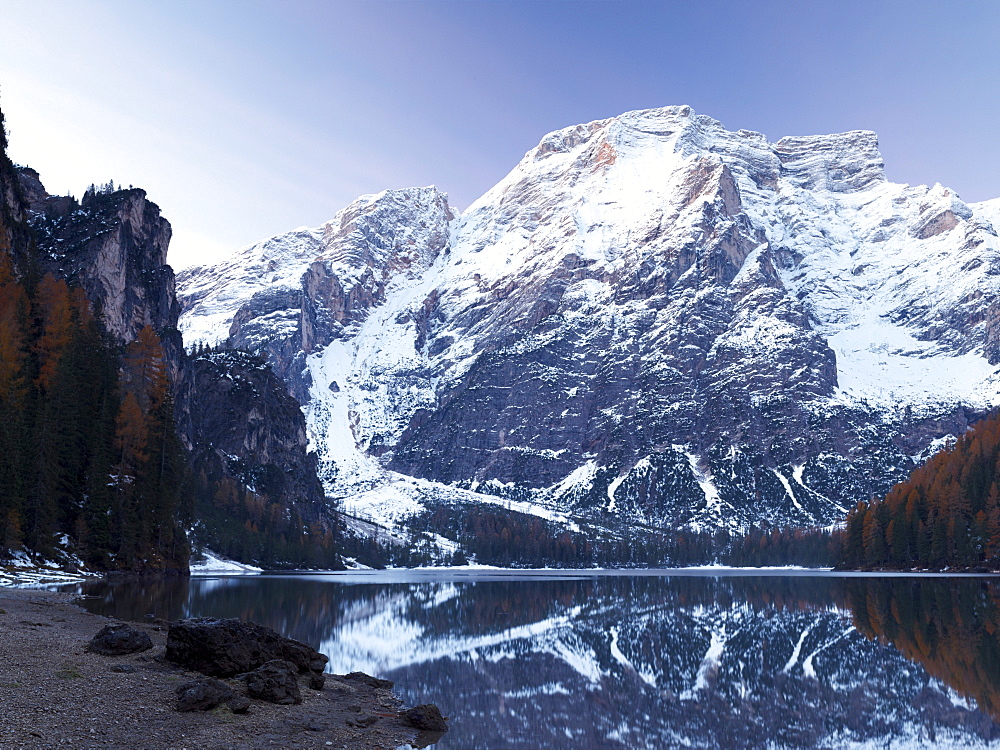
212,294
650,319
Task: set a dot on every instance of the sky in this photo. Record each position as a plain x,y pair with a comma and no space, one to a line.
246,119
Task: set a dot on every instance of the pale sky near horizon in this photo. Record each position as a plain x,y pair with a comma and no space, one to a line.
243,118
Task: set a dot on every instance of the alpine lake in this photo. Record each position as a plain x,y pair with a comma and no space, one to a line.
710,658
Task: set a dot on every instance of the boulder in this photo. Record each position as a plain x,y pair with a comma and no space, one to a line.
275,682
203,694
228,647
426,717
367,679
317,680
118,639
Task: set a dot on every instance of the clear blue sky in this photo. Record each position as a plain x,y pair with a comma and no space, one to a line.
245,119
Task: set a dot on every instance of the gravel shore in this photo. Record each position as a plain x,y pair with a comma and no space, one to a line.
53,693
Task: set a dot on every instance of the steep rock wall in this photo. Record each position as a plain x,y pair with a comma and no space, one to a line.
233,414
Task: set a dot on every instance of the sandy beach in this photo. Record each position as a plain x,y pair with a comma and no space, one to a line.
54,693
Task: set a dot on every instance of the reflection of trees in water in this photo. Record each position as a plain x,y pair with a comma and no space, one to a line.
950,626
309,608
132,599
301,608
478,606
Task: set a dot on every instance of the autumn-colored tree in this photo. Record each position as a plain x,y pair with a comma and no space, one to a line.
131,436
14,317
52,305
947,514
144,371
15,382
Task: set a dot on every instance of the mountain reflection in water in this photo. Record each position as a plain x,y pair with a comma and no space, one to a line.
622,661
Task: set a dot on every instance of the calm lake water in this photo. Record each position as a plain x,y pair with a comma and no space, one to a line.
640,660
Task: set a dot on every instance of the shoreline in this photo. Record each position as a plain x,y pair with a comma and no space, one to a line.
56,694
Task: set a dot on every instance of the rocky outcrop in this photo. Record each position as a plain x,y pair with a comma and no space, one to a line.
204,694
114,245
15,233
274,682
426,717
246,425
118,639
228,647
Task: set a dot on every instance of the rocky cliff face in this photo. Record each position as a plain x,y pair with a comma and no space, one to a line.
114,245
254,430
233,413
15,234
650,320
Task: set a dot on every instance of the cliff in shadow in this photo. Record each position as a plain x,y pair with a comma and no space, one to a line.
147,441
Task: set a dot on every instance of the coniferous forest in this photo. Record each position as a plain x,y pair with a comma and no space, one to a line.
946,515
88,450
91,467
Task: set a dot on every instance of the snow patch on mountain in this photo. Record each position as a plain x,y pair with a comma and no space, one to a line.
211,295
395,498
885,366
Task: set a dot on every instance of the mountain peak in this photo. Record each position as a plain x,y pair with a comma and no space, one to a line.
651,317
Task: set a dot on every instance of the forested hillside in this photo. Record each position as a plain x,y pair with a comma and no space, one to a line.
88,450
118,450
946,515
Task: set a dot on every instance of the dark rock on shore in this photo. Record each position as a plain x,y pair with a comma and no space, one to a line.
118,639
317,680
92,705
203,694
426,717
225,648
275,682
239,704
367,679
269,664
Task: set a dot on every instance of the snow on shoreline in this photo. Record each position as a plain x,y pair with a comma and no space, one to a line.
32,576
213,564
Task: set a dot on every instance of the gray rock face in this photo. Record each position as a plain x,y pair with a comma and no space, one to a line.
274,682
15,232
650,320
426,717
203,694
114,245
247,426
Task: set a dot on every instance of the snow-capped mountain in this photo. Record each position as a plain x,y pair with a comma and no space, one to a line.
651,319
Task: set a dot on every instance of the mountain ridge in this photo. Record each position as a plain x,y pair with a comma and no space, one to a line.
650,320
